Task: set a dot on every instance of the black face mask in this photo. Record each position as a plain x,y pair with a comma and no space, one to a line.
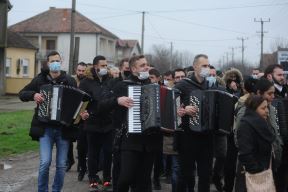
127,73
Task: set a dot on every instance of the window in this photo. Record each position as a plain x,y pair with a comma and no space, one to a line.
25,66
8,66
50,44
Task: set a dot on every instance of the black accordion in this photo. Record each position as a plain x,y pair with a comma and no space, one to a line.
61,104
169,103
144,116
281,106
215,111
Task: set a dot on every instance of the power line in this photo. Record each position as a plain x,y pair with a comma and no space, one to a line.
217,8
197,24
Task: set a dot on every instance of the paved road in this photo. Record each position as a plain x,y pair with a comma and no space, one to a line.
22,176
13,103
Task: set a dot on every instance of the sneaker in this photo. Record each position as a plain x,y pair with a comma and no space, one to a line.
156,184
81,175
94,186
107,186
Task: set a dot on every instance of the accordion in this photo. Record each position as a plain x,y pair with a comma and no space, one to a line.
215,111
281,106
144,116
169,104
61,104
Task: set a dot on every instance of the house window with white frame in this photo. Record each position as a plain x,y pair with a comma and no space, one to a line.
25,67
8,66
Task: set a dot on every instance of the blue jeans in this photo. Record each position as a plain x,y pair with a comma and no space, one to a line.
51,136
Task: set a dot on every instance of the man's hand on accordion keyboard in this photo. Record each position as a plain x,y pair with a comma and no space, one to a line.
84,115
181,111
125,101
191,110
38,98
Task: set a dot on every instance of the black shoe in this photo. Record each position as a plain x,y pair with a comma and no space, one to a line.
156,184
218,184
69,165
81,175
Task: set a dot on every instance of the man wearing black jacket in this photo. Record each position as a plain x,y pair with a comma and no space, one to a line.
137,150
100,132
49,133
194,147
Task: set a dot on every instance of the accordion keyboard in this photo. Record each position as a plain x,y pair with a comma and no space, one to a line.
134,124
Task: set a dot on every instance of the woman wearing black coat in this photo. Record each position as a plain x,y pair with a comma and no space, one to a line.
255,139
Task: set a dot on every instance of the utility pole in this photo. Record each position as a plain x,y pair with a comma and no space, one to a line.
142,35
227,59
262,35
71,55
171,55
242,48
232,49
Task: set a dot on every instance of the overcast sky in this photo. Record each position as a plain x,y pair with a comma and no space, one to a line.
207,26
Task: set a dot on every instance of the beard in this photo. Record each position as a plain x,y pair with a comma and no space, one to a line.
278,82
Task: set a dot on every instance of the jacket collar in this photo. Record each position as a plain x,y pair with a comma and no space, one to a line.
260,125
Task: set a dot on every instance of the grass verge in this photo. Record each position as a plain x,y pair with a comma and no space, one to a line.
14,133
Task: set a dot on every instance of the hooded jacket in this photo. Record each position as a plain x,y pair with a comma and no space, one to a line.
27,94
98,89
228,78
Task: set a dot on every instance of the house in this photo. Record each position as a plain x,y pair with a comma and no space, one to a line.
20,62
127,48
50,30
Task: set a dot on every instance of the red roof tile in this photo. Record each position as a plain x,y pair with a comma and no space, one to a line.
59,21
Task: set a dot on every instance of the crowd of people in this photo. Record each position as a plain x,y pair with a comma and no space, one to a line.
141,162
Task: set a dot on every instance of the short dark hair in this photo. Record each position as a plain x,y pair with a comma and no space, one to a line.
82,64
154,72
135,58
168,73
97,59
249,84
178,70
122,61
263,85
197,57
52,53
254,101
270,69
211,67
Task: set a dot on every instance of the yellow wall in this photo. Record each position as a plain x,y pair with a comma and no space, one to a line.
14,85
14,82
20,53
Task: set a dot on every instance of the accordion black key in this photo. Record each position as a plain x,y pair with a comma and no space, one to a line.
215,111
168,107
61,103
281,106
144,116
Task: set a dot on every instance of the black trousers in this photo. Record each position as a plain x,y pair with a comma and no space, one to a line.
158,165
116,169
136,168
70,156
199,153
220,151
281,176
82,148
96,142
230,164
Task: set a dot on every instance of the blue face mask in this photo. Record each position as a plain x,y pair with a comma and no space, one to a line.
55,66
211,80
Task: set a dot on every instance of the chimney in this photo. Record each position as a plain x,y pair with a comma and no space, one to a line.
52,8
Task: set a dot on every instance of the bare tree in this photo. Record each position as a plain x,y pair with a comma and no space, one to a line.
279,43
163,60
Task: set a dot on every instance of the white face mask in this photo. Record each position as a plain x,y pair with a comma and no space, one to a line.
143,75
166,82
211,80
205,72
103,71
255,76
